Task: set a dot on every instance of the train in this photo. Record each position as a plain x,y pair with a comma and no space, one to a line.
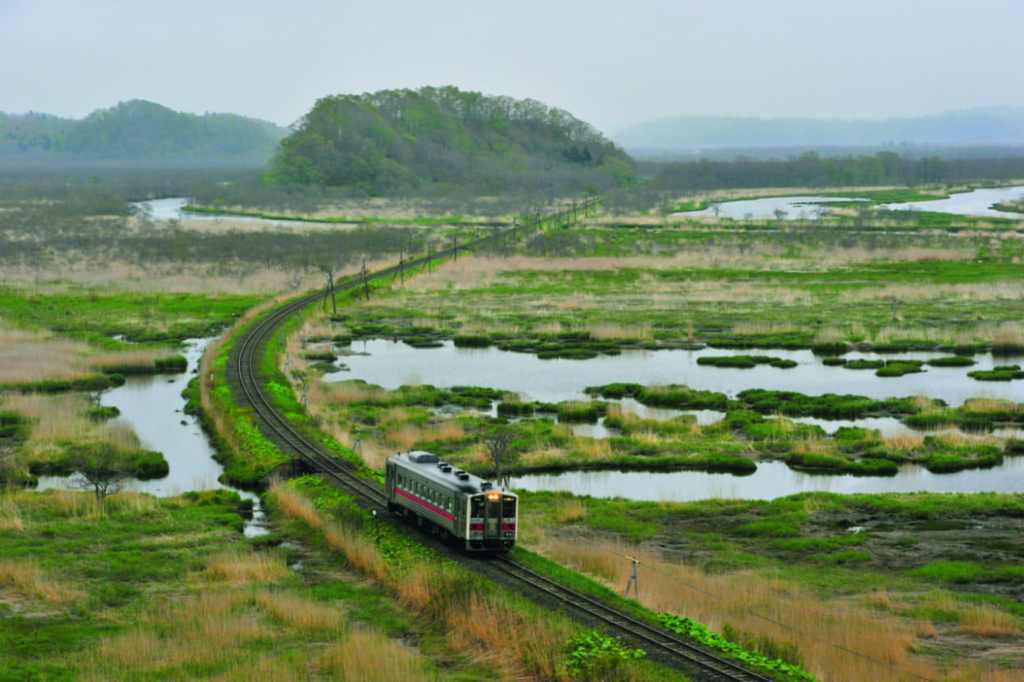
463,508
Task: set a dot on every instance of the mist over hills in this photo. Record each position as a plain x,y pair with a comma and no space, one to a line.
138,130
992,127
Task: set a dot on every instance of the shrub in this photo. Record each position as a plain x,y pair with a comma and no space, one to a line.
596,656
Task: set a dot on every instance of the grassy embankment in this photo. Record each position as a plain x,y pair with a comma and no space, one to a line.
858,587
169,588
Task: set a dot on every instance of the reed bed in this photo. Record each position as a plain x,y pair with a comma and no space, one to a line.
31,356
300,613
479,622
369,656
238,568
824,631
26,579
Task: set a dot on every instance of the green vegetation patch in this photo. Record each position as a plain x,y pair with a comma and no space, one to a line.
776,667
745,361
998,373
98,316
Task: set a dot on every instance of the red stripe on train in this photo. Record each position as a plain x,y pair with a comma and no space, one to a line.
426,505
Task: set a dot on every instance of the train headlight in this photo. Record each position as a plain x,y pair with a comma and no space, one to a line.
493,497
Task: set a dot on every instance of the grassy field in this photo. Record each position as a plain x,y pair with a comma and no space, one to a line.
170,589
917,299
907,579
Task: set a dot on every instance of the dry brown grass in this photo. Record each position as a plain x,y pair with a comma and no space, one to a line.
10,514
570,511
984,405
58,418
617,332
985,621
904,441
360,552
28,580
239,568
203,630
29,356
85,270
819,626
906,293
517,645
369,656
61,417
300,613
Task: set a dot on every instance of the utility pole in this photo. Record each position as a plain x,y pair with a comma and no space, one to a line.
455,246
366,282
634,580
330,283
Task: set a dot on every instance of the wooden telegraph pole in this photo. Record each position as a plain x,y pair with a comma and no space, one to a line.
366,281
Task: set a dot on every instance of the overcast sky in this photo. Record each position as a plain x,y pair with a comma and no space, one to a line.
611,63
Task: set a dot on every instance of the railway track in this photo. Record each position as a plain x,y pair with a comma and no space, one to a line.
243,373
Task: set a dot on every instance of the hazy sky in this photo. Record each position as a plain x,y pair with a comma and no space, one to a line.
611,63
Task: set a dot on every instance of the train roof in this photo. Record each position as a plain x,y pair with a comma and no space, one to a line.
430,466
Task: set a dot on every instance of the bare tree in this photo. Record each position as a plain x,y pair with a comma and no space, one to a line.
328,270
499,448
100,469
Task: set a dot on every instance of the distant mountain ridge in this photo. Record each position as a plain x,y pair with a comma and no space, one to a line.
976,127
139,130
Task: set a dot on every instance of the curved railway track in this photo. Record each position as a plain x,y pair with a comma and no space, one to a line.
244,374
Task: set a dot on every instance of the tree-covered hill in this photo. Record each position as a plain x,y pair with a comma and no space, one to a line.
139,130
400,140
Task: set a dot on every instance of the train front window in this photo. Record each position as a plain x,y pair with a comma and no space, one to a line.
477,507
508,508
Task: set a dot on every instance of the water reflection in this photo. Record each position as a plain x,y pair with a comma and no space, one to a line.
391,364
171,209
771,480
975,203
793,208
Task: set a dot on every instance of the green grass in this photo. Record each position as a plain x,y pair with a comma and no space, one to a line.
98,315
822,299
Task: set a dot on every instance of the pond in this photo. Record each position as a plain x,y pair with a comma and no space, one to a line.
975,203
391,364
794,207
171,209
771,480
154,408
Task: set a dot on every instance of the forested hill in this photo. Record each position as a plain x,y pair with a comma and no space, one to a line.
139,130
432,138
976,127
